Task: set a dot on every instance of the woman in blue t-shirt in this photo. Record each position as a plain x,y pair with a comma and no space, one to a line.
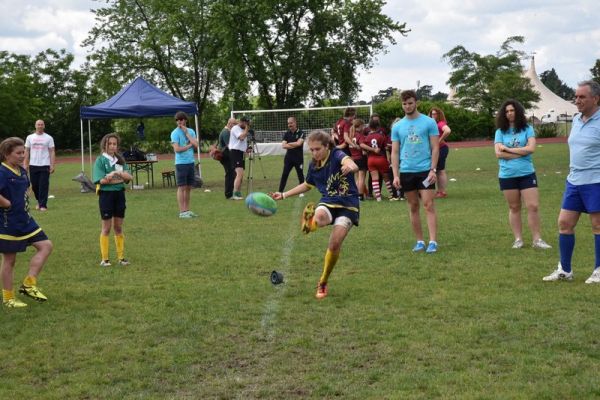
514,143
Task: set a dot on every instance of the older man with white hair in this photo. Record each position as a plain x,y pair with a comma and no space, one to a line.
582,189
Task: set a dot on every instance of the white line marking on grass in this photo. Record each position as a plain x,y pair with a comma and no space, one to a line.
272,305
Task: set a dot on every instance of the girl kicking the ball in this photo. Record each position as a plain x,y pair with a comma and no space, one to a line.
332,173
18,229
110,175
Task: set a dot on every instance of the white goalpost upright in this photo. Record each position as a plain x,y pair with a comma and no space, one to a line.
270,125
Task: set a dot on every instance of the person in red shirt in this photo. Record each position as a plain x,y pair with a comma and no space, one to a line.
444,130
353,139
375,144
342,127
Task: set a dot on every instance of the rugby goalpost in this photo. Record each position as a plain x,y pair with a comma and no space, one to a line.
270,125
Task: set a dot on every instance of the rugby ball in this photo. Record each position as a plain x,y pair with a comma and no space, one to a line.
261,204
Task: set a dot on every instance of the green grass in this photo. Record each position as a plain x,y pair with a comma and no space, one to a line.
195,316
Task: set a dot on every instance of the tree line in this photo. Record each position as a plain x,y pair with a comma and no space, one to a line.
242,54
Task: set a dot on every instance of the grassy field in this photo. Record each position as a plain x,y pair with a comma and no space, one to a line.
195,316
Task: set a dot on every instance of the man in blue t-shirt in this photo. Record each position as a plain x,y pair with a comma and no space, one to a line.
184,140
582,189
415,142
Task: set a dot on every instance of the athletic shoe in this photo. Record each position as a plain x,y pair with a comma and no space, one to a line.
14,303
33,292
105,263
123,262
193,214
402,198
321,291
43,209
237,196
559,275
308,216
540,244
394,198
420,246
185,215
301,195
517,244
594,277
431,248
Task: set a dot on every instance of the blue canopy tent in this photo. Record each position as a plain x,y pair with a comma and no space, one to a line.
136,100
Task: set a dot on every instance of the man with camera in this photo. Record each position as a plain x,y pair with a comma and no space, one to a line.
238,143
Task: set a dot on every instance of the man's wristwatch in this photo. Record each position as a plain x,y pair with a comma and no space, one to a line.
434,170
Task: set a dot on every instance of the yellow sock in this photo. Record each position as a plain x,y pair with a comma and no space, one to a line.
7,295
120,243
104,246
30,281
330,260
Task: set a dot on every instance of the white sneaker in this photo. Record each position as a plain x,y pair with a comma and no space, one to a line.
517,244
560,275
540,244
594,277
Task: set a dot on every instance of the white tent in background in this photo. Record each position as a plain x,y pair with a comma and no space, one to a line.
550,107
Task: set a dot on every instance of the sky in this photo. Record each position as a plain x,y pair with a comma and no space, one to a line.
564,35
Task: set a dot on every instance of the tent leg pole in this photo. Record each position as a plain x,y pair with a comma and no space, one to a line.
82,149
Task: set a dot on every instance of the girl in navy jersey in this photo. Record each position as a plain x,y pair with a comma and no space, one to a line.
17,228
332,173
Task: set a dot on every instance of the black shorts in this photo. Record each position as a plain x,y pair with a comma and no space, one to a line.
441,164
412,181
20,245
237,159
112,204
341,212
518,183
184,174
361,163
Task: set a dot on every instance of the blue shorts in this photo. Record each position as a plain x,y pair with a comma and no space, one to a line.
412,181
518,183
112,204
184,174
441,164
19,246
336,212
582,198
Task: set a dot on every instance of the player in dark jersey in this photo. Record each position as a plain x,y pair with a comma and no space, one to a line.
332,173
17,228
375,144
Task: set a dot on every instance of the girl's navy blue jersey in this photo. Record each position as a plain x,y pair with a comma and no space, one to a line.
337,190
15,222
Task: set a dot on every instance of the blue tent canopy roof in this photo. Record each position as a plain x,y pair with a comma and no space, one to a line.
136,100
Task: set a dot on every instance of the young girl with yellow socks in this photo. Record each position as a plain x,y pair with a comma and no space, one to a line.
110,175
332,173
17,228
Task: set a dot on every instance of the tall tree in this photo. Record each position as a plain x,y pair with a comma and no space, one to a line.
483,82
596,71
301,50
172,43
551,80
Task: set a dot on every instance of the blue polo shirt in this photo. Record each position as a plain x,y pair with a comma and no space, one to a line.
584,147
515,167
415,148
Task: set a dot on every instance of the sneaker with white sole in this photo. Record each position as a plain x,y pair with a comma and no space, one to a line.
540,244
517,244
14,303
432,247
105,263
559,275
594,277
420,246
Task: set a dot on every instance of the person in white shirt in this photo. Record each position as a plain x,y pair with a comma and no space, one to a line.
238,144
40,160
